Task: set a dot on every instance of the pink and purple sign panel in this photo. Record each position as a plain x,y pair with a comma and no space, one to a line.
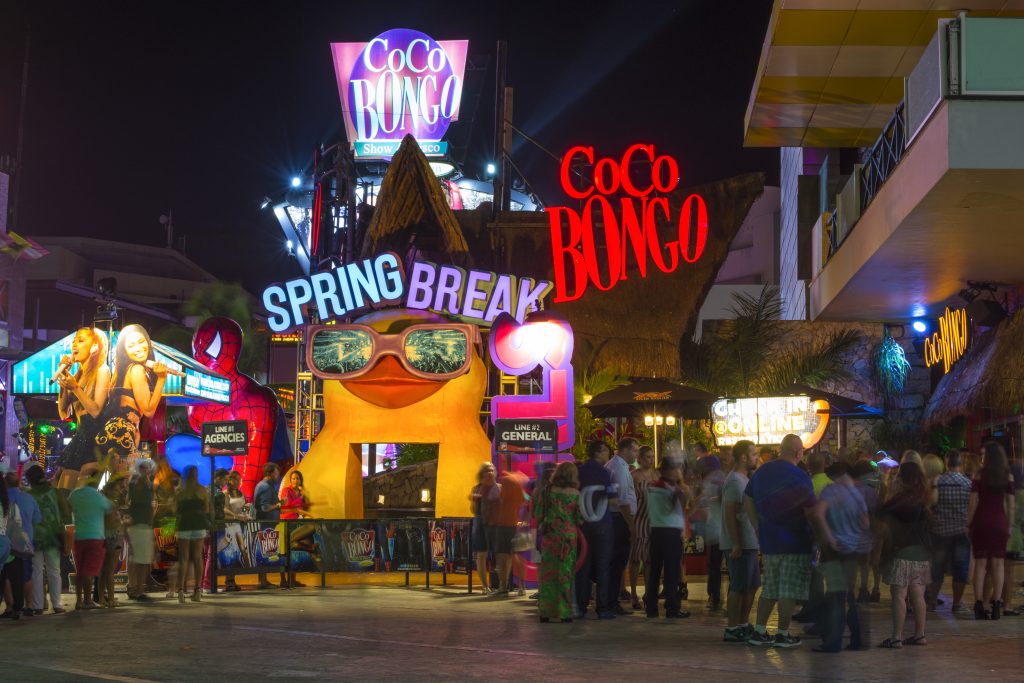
403,82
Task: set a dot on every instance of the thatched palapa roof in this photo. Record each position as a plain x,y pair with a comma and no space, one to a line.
637,326
990,376
412,212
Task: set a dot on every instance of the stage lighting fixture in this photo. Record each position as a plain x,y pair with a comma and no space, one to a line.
265,202
290,245
296,181
491,169
919,326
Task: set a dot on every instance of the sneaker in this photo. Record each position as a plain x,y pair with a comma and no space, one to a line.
786,640
760,639
737,634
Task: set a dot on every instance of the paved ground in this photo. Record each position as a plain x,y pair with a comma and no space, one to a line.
391,633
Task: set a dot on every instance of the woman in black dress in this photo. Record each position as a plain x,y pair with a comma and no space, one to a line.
135,392
82,396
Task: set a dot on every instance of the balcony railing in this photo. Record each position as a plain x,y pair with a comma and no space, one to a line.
883,157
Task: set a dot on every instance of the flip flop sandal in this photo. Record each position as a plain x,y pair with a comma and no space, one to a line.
891,644
916,640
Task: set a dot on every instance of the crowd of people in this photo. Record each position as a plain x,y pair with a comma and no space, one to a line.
96,526
790,528
810,531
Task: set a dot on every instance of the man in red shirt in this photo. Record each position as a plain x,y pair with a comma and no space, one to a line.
512,499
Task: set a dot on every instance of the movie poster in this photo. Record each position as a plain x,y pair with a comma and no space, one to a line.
457,544
438,534
403,545
347,546
249,545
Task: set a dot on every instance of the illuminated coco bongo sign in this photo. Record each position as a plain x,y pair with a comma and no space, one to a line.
400,82
574,245
949,344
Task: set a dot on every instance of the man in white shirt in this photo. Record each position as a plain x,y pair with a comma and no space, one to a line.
623,509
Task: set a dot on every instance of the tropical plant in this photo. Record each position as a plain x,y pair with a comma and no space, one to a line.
589,383
891,367
749,356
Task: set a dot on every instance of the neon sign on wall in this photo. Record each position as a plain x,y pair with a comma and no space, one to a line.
516,350
401,82
949,344
574,247
473,296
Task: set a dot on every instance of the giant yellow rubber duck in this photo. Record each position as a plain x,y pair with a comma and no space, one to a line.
390,404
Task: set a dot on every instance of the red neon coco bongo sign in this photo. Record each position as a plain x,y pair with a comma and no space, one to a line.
574,248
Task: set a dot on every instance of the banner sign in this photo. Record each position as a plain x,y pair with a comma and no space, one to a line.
765,421
403,82
630,230
226,438
526,436
476,297
404,547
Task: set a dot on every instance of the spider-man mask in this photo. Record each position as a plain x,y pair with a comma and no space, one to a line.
217,344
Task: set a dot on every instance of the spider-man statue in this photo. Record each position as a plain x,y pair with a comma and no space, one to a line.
217,344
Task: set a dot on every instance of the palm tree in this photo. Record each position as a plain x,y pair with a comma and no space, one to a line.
589,383
220,299
749,355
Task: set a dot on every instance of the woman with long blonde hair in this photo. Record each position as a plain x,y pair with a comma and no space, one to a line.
82,396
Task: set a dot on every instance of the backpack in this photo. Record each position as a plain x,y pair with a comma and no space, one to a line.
48,533
20,545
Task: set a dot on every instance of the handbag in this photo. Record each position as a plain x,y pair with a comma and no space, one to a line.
21,546
524,538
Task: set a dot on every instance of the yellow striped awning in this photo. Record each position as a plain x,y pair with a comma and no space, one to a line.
831,71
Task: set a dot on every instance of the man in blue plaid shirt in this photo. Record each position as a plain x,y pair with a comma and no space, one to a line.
950,545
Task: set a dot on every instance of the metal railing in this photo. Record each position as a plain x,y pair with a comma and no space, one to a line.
883,157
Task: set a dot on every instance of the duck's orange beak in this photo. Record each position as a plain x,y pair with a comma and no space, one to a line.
388,385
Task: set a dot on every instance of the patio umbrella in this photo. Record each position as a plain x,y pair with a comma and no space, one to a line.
647,396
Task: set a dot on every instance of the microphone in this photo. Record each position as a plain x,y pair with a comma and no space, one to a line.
170,371
65,365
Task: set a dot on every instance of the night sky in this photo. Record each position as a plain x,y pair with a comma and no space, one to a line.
134,109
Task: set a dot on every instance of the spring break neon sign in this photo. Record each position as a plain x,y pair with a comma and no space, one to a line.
574,247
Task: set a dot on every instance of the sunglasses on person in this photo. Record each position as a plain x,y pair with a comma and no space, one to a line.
436,351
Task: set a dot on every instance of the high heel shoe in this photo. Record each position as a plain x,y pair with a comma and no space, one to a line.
997,609
979,611
181,597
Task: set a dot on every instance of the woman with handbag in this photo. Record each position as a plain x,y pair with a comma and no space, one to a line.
12,566
558,516
192,505
907,567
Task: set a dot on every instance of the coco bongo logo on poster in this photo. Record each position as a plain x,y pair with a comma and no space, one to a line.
400,82
631,226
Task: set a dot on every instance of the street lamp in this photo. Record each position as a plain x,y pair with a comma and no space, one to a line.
657,421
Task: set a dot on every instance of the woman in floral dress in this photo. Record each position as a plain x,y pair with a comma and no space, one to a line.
558,515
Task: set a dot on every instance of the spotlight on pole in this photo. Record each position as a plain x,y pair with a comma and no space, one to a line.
264,203
919,326
491,168
290,246
296,181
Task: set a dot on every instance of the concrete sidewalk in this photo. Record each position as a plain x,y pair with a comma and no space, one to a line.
400,634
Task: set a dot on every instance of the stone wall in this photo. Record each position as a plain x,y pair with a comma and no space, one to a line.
863,386
402,487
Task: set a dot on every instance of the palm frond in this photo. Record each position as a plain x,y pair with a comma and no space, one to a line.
812,363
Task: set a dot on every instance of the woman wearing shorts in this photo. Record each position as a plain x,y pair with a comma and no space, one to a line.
907,565
192,506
